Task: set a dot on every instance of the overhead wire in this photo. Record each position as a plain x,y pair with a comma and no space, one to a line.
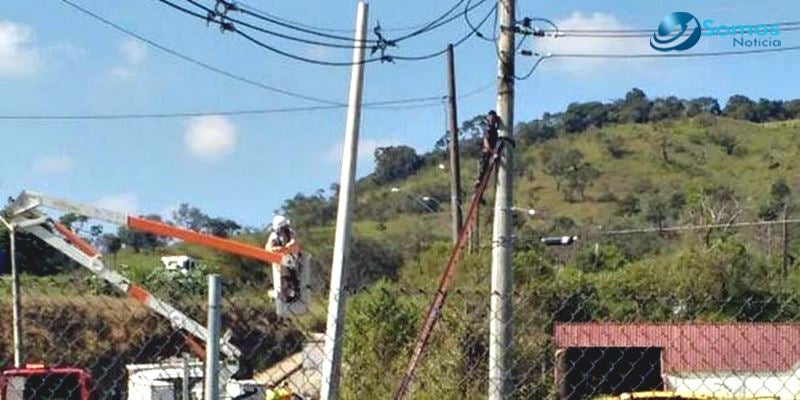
228,74
317,29
397,104
675,55
475,29
649,31
210,13
456,44
196,62
229,26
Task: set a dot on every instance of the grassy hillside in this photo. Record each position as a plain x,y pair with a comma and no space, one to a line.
701,170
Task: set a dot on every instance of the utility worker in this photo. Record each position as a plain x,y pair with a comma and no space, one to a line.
282,240
489,143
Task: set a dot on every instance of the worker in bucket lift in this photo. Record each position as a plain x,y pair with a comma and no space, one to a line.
282,240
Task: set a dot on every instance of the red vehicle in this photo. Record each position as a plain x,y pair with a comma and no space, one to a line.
40,382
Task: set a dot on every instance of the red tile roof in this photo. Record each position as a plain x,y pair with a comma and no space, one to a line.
735,347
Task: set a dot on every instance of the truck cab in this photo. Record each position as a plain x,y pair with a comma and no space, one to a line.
40,382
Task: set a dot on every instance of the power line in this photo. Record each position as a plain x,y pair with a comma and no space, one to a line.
229,26
398,104
212,13
187,114
475,29
223,72
294,25
649,31
625,35
317,29
675,55
456,44
196,62
692,227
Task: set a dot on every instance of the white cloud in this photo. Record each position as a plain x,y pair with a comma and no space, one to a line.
366,149
590,45
53,165
18,56
210,137
133,51
126,202
133,54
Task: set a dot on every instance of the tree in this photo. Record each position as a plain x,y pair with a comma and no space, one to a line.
780,197
580,116
729,142
190,217
700,105
73,221
139,241
381,325
666,108
770,110
741,107
578,178
558,161
792,108
535,131
634,109
310,210
222,227
395,162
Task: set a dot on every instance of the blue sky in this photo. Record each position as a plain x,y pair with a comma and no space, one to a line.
54,60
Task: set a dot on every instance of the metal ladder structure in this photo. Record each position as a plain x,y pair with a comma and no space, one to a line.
445,281
26,216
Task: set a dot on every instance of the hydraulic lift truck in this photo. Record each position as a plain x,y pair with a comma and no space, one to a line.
26,216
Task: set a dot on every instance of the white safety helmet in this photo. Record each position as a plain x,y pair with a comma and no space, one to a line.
279,221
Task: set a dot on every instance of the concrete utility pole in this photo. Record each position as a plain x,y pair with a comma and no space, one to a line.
500,326
455,162
332,364
16,303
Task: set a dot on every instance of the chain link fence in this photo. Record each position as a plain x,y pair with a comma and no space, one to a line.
700,316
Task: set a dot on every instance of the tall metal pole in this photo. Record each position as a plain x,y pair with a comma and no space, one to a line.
212,344
455,163
16,301
332,364
500,326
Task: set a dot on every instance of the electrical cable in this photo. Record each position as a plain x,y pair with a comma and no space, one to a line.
259,43
188,114
533,68
212,12
196,62
649,31
398,104
475,29
255,13
316,29
628,35
676,55
433,24
456,44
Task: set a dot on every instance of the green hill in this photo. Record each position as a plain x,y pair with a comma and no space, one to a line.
597,171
